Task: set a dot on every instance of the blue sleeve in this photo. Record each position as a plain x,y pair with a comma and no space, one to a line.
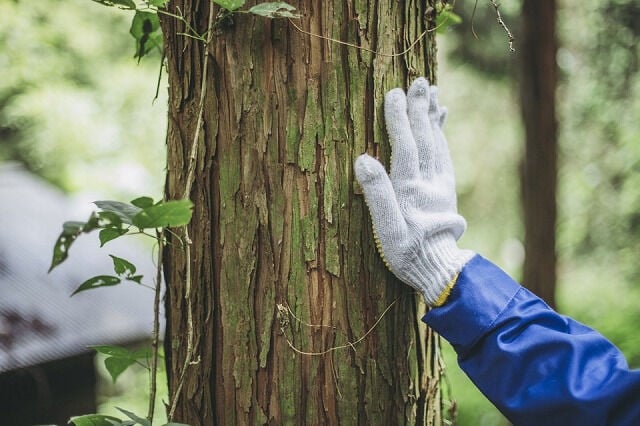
536,366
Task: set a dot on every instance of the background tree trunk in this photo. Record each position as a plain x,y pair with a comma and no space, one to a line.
280,224
539,172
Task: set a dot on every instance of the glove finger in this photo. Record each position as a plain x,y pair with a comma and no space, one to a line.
404,154
388,221
421,125
437,115
443,117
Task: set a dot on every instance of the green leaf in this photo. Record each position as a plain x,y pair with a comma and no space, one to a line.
164,214
136,278
175,424
124,211
122,266
230,5
116,366
108,219
140,420
277,9
109,234
119,358
70,231
142,202
96,282
121,4
145,29
111,350
95,420
157,3
144,353
446,18
63,244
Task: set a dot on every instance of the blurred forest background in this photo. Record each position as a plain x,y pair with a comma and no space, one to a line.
77,109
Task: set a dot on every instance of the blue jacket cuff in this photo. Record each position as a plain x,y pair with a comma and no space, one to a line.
481,293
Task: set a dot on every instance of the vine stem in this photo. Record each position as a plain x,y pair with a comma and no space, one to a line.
193,156
156,330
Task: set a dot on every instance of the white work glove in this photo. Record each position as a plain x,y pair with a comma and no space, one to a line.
414,211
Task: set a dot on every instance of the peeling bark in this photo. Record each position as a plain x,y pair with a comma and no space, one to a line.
278,220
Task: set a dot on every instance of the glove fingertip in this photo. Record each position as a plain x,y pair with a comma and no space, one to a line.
419,88
443,116
395,102
368,169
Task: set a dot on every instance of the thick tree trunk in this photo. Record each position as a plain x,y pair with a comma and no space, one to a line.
539,174
280,225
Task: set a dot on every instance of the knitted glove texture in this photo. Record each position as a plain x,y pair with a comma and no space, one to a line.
413,209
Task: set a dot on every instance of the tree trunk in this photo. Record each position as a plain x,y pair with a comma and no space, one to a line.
283,259
539,173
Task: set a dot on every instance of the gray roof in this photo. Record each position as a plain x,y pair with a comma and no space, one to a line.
39,321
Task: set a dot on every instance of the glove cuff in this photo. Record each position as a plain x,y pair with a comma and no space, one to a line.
436,269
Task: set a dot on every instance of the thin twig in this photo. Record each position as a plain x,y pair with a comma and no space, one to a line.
504,26
349,344
187,241
303,322
156,330
375,52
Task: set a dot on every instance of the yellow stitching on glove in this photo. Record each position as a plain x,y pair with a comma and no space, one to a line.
446,292
379,246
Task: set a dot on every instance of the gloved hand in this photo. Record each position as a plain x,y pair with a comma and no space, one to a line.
414,211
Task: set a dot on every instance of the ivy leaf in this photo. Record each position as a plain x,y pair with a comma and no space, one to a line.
95,420
142,202
167,213
121,4
109,234
122,266
145,29
274,10
96,282
124,211
134,417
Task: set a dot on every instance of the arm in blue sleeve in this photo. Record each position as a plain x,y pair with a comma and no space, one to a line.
536,366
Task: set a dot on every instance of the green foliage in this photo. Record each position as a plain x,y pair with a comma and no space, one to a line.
121,4
274,10
118,359
115,220
74,107
446,17
165,214
95,420
145,25
145,29
103,420
97,282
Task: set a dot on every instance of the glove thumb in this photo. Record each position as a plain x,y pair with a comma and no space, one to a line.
388,220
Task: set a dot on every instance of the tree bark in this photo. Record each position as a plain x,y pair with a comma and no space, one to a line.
280,225
539,171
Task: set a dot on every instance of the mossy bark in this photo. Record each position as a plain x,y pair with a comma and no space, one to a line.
279,219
